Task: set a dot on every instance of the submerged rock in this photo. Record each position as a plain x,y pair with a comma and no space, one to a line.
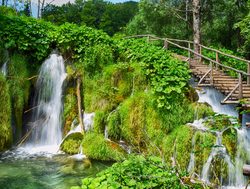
71,144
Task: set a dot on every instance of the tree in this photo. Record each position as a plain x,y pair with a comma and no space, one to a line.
196,26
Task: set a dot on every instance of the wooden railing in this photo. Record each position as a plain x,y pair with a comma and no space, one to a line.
214,64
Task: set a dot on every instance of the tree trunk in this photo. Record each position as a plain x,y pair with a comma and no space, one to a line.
79,103
43,2
38,8
196,26
3,3
186,16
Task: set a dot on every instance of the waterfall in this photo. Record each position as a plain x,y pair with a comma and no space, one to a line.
219,151
4,68
235,178
191,164
214,98
88,121
46,117
4,60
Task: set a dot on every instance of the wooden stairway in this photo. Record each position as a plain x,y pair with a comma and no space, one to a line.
227,85
236,90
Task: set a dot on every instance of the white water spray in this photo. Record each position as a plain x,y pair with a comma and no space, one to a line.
46,125
213,98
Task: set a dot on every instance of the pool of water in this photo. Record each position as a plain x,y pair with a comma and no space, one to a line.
45,172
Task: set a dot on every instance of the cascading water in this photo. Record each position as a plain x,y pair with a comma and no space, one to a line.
5,60
219,150
214,98
235,179
46,118
4,68
191,164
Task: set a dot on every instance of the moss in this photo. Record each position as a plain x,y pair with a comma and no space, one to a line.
202,149
117,82
5,115
114,123
192,95
229,140
18,72
100,121
202,110
178,143
70,108
71,144
133,120
96,147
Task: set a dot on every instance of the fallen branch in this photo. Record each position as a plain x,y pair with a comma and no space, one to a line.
79,103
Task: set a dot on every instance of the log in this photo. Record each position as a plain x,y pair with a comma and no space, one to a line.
79,103
246,170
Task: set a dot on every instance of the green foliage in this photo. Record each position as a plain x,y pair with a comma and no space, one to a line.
18,73
72,143
70,108
218,19
160,18
178,144
167,75
137,172
100,121
244,27
26,35
98,14
221,122
4,10
225,60
96,57
90,48
5,115
131,122
96,147
105,91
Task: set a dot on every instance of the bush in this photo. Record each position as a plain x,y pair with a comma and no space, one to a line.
137,172
96,147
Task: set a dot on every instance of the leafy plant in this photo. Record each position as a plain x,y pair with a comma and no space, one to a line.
167,75
138,172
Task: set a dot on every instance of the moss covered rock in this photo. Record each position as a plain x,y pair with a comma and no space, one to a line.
71,144
95,146
70,109
5,115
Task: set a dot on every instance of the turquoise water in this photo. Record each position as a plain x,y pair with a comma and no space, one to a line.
55,172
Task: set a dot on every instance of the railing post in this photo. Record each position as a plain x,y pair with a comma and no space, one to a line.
211,74
165,44
200,52
240,87
248,72
189,53
148,38
217,60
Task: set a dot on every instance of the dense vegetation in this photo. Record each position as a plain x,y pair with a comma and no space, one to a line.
139,91
139,172
99,14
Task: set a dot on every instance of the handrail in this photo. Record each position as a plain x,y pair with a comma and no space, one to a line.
225,54
169,40
209,59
